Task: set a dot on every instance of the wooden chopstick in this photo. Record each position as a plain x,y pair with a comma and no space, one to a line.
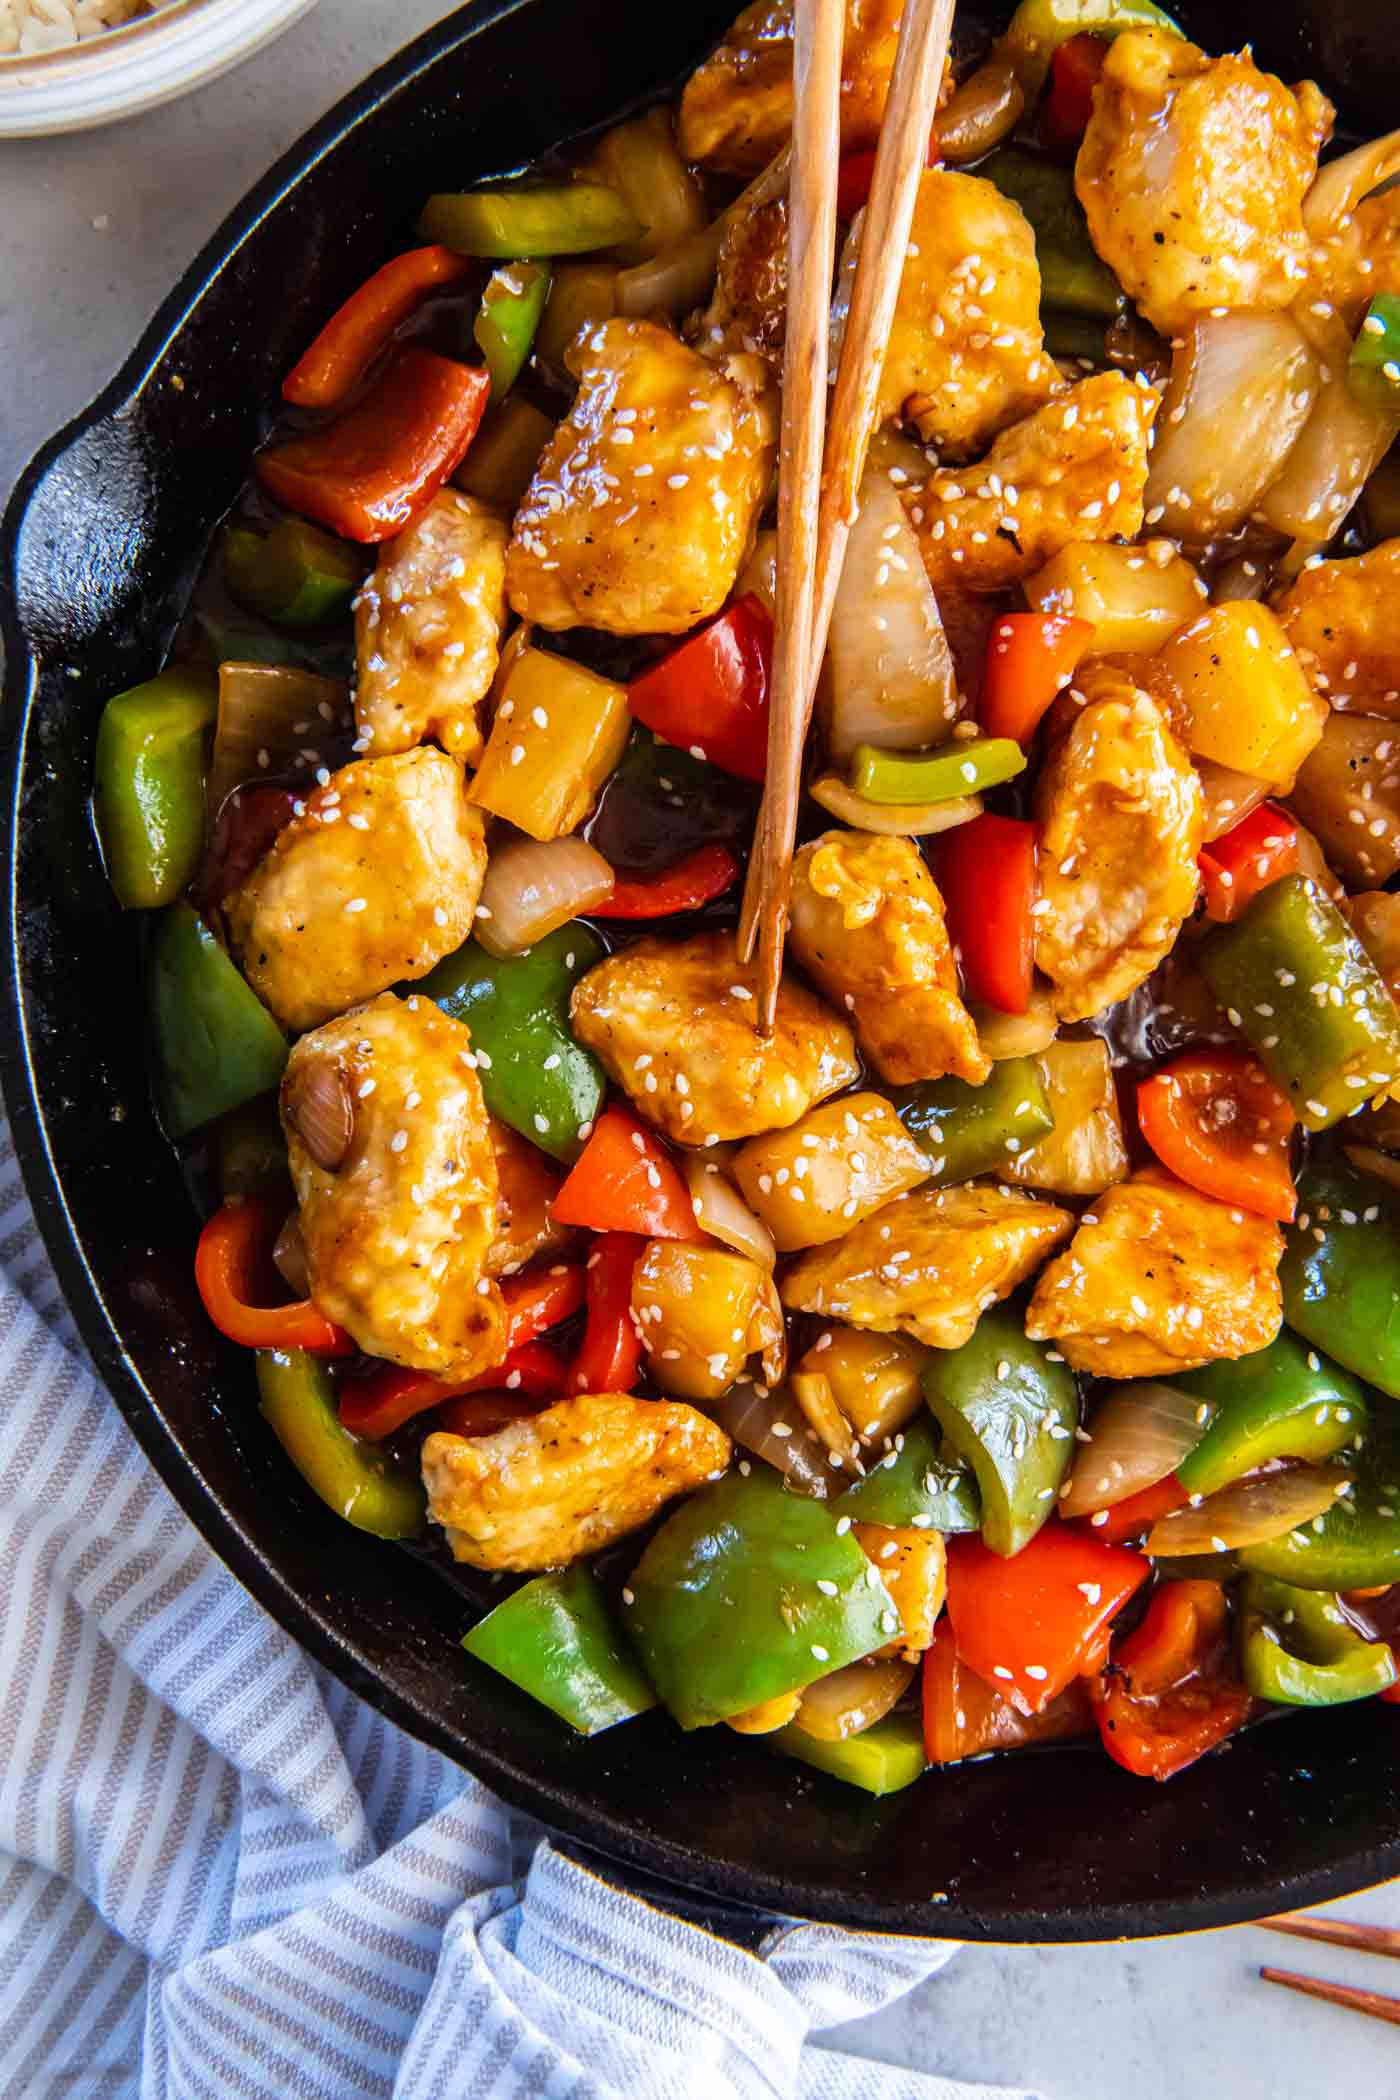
899,161
1337,1932
1369,2002
819,29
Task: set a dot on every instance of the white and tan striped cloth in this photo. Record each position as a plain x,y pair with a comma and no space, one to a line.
222,1877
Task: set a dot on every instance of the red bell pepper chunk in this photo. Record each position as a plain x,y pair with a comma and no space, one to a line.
1167,1697
1135,1515
711,694
244,831
856,173
696,879
1391,1695
610,1355
381,1403
369,473
986,872
357,331
1260,849
1027,1624
1030,658
233,1269
626,1181
1218,1123
1074,74
963,1716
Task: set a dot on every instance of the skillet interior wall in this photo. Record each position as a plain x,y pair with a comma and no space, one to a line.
98,555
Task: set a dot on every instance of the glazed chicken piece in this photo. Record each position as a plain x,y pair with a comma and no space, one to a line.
867,925
674,1022
1075,470
965,355
736,112
1360,257
645,500
748,311
543,1491
1348,794
1193,172
395,1176
1160,1279
1121,815
528,1184
1340,618
375,881
428,625
929,1264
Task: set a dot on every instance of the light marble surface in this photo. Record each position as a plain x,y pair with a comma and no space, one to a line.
94,229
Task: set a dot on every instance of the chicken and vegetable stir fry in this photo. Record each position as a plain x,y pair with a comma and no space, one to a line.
1005,1345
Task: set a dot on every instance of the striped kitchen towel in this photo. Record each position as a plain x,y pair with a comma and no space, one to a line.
222,1875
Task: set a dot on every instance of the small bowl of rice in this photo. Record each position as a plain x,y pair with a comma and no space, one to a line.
68,64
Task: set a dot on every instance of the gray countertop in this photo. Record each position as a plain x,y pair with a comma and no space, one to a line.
94,229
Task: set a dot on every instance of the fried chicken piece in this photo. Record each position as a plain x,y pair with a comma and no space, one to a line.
748,310
398,1229
1340,618
645,500
1193,172
1159,1279
1075,470
736,111
586,1472
867,924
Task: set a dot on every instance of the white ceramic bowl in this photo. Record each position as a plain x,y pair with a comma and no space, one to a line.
136,66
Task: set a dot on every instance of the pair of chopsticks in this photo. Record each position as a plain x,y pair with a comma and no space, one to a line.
820,469
1338,1932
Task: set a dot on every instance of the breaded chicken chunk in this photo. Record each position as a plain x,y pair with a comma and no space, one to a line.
929,1264
395,1176
1193,172
1341,619
1160,1279
428,625
1360,256
375,881
674,1022
543,1491
867,924
748,310
966,354
644,502
1075,470
736,112
1121,817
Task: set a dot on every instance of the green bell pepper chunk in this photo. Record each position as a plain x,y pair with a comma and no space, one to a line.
249,1153
1356,1545
1373,369
296,575
1293,976
533,1074
1012,1413
1039,27
152,747
727,1609
505,326
1285,1401
935,776
216,1045
511,222
881,1760
1298,1648
355,1478
557,1639
969,1130
1071,275
1074,335
1340,1272
914,1484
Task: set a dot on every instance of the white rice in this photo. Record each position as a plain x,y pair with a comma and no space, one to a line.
27,26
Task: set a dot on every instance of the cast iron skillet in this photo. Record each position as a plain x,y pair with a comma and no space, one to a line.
98,551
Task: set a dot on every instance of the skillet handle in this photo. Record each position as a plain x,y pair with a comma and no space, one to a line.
734,1922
